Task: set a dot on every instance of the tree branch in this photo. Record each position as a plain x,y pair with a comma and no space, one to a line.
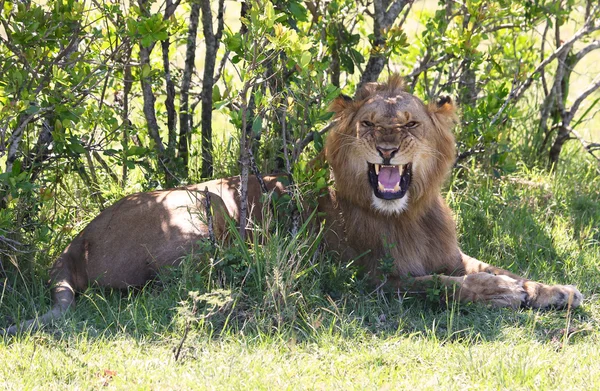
583,52
590,148
581,98
186,81
382,21
566,46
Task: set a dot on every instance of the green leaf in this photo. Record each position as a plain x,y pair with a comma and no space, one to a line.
234,42
257,125
16,168
321,183
347,63
268,14
358,57
298,11
32,109
76,147
305,59
146,71
147,41
136,151
216,94
318,139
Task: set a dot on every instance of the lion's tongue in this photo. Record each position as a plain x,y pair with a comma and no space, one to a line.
389,177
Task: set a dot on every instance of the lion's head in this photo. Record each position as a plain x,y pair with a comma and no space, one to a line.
388,150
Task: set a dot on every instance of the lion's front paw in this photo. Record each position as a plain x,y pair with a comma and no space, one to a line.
551,296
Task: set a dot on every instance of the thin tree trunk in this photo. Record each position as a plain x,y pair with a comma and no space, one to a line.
126,123
14,142
384,17
170,100
186,80
164,160
245,145
212,46
149,100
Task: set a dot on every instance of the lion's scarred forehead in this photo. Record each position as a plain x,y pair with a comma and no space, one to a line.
394,106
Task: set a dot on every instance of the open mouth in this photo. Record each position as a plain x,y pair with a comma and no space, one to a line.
390,182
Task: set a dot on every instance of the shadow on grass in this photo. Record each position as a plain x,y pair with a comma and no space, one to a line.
508,226
161,311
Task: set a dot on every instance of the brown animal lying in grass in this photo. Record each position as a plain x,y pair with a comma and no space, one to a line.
389,154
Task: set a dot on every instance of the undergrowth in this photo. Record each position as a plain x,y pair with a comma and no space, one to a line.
280,295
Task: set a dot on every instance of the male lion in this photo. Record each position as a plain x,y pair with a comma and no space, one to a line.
389,154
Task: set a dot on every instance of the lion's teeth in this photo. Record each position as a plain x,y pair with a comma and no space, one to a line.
381,188
401,169
397,188
377,166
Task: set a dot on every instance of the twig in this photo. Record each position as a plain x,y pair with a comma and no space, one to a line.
288,167
308,139
582,97
263,186
469,152
591,148
209,217
505,104
566,46
188,324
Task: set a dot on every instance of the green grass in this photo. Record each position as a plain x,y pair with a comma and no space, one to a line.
299,320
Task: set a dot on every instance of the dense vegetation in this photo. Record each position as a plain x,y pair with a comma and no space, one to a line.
99,99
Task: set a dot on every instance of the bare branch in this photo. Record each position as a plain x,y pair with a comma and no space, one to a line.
382,21
591,148
209,217
301,144
582,96
393,11
498,27
542,50
583,52
257,174
503,107
212,42
566,46
221,66
170,99
15,141
186,81
425,64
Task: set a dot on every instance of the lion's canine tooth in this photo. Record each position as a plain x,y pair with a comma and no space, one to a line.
397,188
377,166
401,169
380,186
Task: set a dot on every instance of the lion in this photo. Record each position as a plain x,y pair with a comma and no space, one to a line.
389,155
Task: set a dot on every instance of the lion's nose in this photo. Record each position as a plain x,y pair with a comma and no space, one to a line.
387,153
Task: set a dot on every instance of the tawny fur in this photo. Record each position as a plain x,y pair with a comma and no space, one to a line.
130,241
419,235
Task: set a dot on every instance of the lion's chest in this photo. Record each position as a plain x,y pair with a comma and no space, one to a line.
377,244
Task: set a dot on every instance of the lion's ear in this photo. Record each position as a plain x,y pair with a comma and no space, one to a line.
367,90
446,100
444,110
340,104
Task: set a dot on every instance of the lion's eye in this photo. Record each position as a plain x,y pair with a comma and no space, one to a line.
410,125
367,124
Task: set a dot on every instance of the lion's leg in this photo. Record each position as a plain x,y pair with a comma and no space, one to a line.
538,295
497,290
